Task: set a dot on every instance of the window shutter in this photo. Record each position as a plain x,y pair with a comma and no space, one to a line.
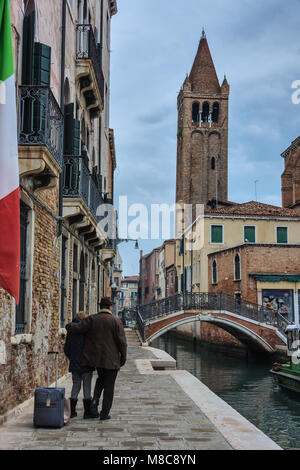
217,234
72,132
41,64
249,234
282,236
76,138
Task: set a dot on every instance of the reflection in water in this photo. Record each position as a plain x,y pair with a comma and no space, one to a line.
245,384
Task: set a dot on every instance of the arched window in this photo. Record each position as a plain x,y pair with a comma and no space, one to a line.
215,272
195,112
205,112
213,163
215,113
237,267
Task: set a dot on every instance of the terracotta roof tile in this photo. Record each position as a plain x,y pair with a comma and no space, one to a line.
254,208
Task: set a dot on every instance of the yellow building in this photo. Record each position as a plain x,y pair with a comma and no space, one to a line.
225,227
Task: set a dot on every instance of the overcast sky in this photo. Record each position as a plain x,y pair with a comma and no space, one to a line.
154,42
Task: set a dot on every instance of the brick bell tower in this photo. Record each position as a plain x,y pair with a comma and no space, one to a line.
202,147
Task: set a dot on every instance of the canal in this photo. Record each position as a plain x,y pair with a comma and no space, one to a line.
244,383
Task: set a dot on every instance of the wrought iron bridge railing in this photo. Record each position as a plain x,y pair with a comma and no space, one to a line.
87,49
209,302
78,182
40,120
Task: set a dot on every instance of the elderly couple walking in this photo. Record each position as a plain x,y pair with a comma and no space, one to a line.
95,342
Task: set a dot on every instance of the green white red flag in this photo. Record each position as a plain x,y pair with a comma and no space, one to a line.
9,173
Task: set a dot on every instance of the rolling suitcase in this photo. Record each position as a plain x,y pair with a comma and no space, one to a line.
49,403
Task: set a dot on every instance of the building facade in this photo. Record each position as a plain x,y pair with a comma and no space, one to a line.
66,165
129,292
226,227
149,277
265,274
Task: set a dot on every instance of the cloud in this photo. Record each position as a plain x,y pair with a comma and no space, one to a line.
153,45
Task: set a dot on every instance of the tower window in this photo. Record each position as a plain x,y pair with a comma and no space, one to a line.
213,163
205,112
195,112
215,113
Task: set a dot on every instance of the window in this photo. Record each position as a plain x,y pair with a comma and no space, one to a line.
282,235
82,283
213,163
195,112
205,112
63,281
215,113
237,267
249,234
20,309
215,272
217,234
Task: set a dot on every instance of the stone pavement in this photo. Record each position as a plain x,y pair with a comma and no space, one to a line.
150,412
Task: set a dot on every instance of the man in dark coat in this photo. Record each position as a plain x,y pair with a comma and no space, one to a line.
105,349
73,349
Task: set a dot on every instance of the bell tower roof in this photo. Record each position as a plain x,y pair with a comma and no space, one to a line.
203,75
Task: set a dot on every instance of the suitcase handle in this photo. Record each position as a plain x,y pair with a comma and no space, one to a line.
56,368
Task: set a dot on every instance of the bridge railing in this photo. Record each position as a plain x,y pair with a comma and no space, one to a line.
141,324
282,323
208,301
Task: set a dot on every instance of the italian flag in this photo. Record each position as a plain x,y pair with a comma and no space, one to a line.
9,174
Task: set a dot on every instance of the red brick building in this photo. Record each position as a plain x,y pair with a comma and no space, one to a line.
149,277
259,273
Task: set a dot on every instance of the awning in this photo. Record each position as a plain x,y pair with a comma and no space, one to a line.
276,278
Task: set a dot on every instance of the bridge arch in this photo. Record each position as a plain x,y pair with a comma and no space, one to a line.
244,334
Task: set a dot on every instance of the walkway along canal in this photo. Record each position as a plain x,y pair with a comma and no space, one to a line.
244,383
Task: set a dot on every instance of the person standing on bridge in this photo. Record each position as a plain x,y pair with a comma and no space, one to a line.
105,349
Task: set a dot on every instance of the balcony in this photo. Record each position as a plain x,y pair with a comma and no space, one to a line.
81,200
89,69
40,134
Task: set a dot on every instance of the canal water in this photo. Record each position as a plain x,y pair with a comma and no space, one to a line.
244,383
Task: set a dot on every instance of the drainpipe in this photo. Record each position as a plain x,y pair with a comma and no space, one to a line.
62,105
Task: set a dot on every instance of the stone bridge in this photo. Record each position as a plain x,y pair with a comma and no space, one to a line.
256,327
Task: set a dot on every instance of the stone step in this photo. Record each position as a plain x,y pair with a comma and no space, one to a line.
132,338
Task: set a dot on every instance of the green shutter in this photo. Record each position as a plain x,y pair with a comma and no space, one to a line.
76,139
282,235
72,132
41,64
249,234
216,234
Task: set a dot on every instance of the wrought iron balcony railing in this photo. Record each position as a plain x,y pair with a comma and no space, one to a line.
78,182
87,49
76,178
40,120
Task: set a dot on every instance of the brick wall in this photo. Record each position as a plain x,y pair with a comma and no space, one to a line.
254,259
25,365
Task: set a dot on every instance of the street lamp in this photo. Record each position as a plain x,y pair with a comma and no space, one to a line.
121,240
